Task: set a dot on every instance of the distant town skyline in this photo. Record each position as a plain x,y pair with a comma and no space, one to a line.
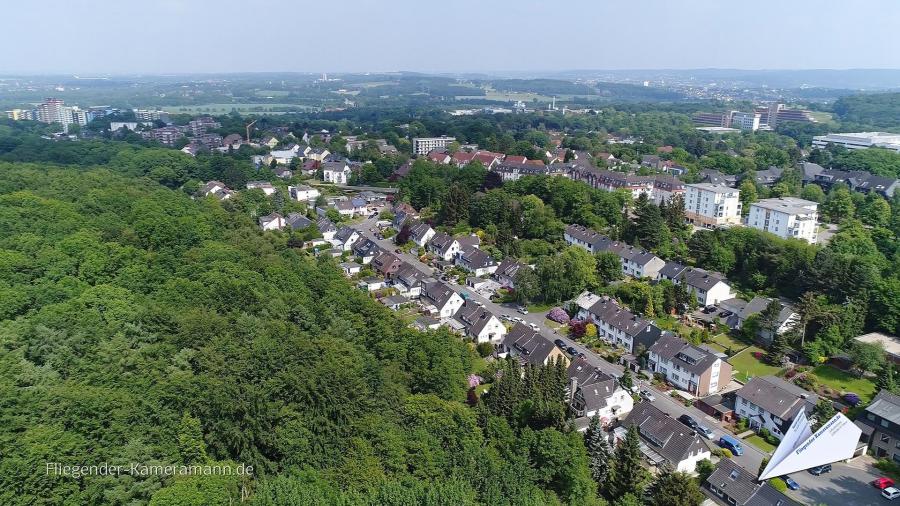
204,36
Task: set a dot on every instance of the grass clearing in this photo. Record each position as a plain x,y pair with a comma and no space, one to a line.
760,443
726,341
747,366
845,382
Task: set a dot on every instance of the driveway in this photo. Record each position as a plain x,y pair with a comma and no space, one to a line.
848,484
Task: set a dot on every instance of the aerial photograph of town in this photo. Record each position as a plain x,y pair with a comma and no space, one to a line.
403,253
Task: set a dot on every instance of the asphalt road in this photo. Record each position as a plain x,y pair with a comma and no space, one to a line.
752,456
848,484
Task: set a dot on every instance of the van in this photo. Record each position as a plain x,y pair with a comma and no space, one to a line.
731,444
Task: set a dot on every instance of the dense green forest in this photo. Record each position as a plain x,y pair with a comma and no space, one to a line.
871,111
141,325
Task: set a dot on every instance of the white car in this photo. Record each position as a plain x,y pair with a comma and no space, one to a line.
522,310
646,394
891,493
534,327
507,317
705,432
517,319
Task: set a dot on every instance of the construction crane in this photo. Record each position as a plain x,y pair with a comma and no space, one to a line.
248,130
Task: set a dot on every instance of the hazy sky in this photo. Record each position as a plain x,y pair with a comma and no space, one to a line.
176,36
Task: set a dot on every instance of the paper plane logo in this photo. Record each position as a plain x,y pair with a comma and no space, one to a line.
801,449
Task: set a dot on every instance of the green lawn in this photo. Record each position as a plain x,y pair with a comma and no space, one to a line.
760,443
747,366
726,341
540,308
845,382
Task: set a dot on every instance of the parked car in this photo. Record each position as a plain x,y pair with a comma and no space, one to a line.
517,319
731,444
709,309
572,350
883,483
725,314
398,250
534,327
581,354
890,493
646,394
689,421
522,310
705,432
506,317
819,470
560,343
791,484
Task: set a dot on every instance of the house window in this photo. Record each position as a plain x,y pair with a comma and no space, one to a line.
870,416
885,423
885,438
896,458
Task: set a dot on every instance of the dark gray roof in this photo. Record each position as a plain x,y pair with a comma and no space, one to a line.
809,170
509,267
700,278
778,397
592,386
689,357
529,345
345,233
365,247
664,435
473,317
409,275
437,293
418,230
672,270
740,485
325,225
476,258
297,221
386,263
467,241
886,405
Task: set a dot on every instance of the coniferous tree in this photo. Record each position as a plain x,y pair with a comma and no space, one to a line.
778,349
628,473
885,379
672,488
598,450
823,412
627,381
191,446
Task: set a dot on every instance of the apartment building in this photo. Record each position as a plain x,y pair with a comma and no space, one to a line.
424,145
786,217
688,367
772,403
710,205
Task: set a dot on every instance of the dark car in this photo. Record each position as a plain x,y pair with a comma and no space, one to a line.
572,351
791,484
689,421
560,343
582,355
819,470
725,314
709,309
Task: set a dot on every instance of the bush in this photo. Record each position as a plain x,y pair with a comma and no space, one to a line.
778,484
808,382
558,315
484,349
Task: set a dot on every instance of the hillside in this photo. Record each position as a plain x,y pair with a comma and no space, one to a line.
875,111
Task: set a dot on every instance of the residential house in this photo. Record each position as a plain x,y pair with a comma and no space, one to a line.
303,193
420,233
297,221
439,156
269,141
344,238
424,323
317,154
732,485
336,172
265,186
772,403
217,189
620,326
592,392
666,440
401,171
768,177
386,264
742,309
530,347
636,262
715,177
514,171
507,270
476,261
444,246
441,299
890,344
480,324
708,287
371,284
232,141
326,228
666,187
366,250
880,423
272,221
283,173
696,370
408,280
350,268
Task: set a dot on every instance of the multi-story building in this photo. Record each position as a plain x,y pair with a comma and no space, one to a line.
636,262
712,119
480,324
668,441
423,145
859,140
698,371
709,205
786,217
708,287
21,114
619,326
441,299
528,346
150,115
745,120
771,403
53,110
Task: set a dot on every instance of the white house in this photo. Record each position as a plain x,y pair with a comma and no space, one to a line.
476,261
619,326
303,193
480,324
594,393
772,403
420,233
671,441
336,172
273,221
786,217
265,186
444,246
698,371
443,301
710,205
344,238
